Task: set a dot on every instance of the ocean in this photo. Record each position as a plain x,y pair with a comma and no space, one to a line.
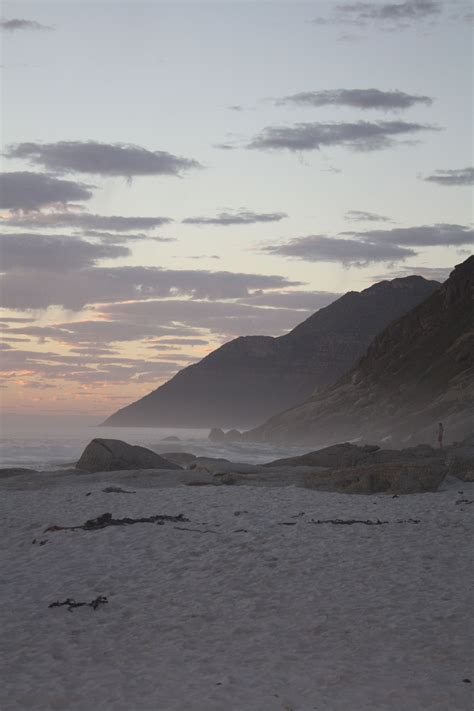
45,445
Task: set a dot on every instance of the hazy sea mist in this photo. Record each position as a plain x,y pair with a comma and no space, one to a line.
47,443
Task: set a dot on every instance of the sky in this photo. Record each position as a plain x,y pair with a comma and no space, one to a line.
175,175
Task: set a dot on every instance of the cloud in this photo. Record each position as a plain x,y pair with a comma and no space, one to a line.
239,217
81,368
223,319
158,324
385,14
440,235
85,220
95,333
362,216
174,319
90,333
182,341
363,248
36,284
93,350
373,246
360,136
16,319
106,159
30,191
305,300
48,252
202,256
357,98
460,176
436,273
350,252
16,24
124,237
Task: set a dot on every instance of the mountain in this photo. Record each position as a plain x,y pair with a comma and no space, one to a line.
250,378
419,371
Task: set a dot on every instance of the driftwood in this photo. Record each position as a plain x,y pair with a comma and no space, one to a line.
95,524
368,522
195,530
117,490
71,604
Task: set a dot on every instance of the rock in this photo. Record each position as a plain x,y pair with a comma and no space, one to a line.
104,455
339,455
216,435
423,453
171,438
264,476
460,462
350,455
184,459
220,466
15,471
232,435
394,478
209,463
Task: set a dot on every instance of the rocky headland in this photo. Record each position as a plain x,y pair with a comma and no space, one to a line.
251,378
418,372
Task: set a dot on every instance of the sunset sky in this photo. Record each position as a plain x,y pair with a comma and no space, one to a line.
177,174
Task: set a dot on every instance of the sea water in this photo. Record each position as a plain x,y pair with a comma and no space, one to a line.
46,445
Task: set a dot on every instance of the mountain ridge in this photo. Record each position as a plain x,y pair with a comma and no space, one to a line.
419,370
246,380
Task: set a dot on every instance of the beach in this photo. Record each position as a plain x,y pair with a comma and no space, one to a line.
257,598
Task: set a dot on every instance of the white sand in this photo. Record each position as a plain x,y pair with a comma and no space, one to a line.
333,618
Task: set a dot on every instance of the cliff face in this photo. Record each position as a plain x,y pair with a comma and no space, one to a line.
250,378
419,371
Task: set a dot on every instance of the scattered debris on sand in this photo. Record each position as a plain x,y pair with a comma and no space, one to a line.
71,604
105,519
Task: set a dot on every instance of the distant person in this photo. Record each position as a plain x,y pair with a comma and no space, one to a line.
440,434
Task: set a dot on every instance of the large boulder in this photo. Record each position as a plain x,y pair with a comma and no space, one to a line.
184,459
15,471
221,466
338,455
218,435
422,454
264,476
106,455
460,461
394,478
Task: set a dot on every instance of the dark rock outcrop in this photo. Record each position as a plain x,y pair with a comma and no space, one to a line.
393,478
417,372
16,471
184,459
460,461
105,455
218,435
252,377
350,455
338,455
